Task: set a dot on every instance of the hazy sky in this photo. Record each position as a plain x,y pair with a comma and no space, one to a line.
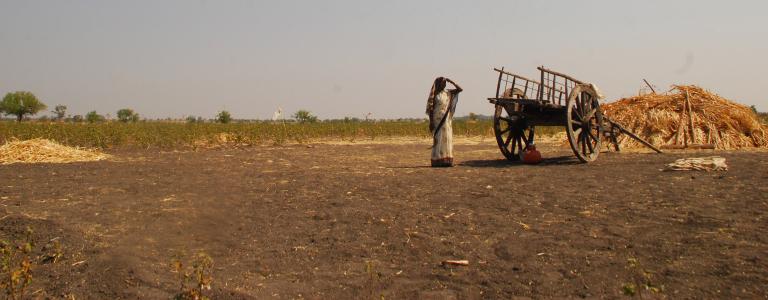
348,58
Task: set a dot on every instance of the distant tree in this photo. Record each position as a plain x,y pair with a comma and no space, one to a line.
304,116
754,109
126,115
193,119
351,120
472,116
77,118
60,111
21,103
94,117
223,117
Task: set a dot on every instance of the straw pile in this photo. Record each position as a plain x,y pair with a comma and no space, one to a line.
663,120
45,151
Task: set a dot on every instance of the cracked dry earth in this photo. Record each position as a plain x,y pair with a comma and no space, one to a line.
365,221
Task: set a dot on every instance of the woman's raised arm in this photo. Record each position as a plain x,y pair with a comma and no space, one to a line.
458,88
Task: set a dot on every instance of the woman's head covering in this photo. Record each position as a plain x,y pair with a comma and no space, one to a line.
439,84
437,87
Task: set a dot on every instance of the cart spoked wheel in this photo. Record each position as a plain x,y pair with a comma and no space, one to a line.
512,133
585,123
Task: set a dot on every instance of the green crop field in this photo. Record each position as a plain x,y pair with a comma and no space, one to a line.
158,134
173,135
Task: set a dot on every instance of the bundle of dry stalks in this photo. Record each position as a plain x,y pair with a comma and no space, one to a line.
45,151
663,119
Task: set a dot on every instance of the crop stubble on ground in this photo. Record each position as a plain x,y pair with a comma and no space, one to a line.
355,221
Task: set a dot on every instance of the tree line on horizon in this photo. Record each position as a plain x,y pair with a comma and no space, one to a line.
22,104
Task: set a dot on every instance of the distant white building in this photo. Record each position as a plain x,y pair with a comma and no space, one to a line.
278,115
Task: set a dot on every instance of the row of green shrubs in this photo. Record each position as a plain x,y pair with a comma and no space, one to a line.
174,135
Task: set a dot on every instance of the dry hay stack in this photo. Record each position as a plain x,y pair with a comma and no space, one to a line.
45,151
663,120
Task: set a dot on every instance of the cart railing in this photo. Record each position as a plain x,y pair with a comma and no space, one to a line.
554,91
508,82
558,86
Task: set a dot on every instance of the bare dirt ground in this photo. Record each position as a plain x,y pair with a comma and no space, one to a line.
362,221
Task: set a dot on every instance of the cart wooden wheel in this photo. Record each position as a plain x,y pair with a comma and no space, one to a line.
584,124
510,129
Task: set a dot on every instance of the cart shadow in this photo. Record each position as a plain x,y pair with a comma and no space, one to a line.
503,163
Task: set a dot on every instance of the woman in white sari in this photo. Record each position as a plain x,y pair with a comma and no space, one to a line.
441,105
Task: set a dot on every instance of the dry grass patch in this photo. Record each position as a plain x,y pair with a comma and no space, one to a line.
662,119
45,151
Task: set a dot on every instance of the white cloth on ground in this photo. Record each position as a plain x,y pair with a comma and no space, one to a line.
712,163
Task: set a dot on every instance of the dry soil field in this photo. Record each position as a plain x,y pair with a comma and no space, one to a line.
372,221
